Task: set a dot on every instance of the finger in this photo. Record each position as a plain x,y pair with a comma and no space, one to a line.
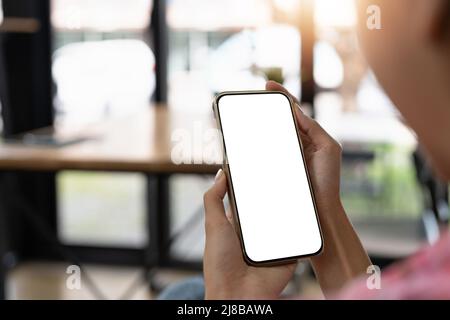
213,202
229,215
308,126
275,86
305,139
312,129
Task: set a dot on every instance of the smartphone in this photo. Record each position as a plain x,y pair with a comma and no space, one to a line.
269,189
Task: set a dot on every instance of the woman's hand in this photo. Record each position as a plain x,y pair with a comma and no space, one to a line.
322,154
343,257
226,274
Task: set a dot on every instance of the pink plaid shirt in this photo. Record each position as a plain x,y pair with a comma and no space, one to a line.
426,275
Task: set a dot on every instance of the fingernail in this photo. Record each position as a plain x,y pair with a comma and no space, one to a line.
219,174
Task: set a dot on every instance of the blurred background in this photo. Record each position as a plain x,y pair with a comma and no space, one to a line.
76,63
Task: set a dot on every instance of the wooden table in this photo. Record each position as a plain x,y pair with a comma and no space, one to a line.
143,142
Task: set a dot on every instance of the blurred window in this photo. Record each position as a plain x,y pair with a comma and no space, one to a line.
102,63
379,178
103,68
97,80
101,15
228,45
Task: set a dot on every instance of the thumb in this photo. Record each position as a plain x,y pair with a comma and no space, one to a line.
213,202
312,129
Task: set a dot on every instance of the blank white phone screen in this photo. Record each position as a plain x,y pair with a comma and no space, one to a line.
271,190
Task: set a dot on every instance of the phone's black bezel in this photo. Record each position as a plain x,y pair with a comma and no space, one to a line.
230,181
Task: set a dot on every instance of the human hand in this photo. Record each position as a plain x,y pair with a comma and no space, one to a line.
227,275
322,154
343,257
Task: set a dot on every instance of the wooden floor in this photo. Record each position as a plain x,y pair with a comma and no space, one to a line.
47,281
44,280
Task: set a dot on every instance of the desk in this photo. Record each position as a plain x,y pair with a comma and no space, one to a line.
142,142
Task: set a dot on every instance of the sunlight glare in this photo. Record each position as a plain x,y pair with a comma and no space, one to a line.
335,13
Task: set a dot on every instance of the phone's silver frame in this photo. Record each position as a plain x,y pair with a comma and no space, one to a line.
231,196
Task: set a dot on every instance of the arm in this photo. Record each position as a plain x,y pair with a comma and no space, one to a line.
343,257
